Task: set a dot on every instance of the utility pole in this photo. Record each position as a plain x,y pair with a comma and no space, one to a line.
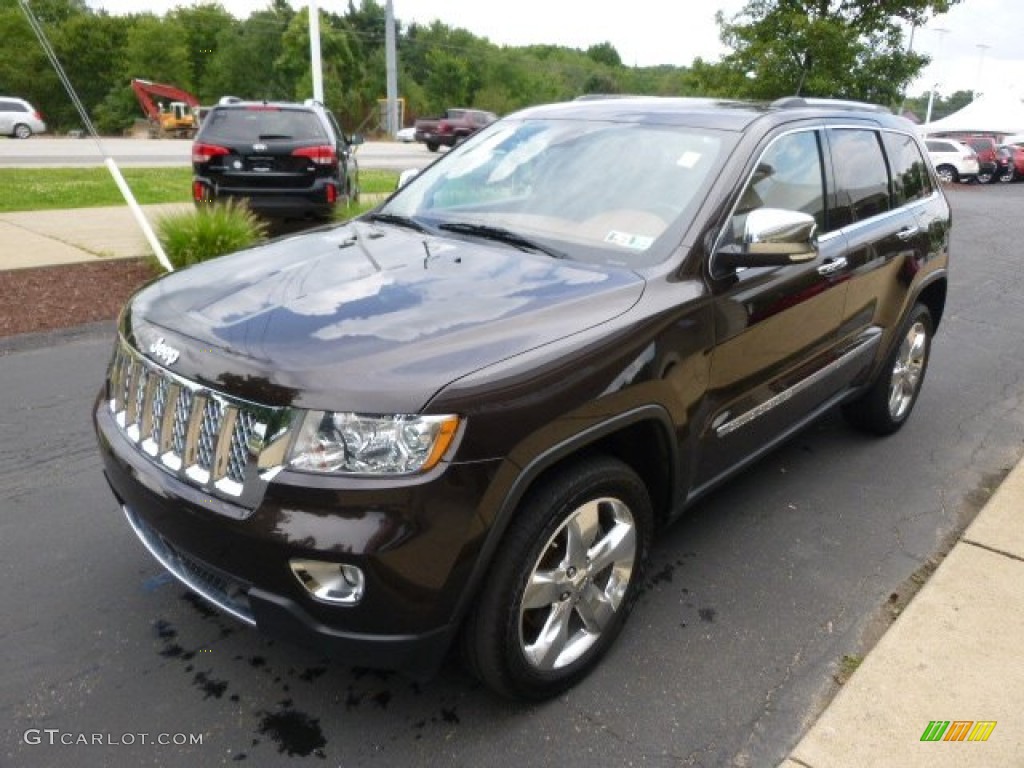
314,51
391,65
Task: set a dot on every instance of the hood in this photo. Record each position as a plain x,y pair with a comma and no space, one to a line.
366,317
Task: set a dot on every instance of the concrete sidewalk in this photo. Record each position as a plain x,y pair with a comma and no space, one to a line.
955,655
45,238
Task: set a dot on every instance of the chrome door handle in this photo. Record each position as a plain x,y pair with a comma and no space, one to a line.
833,266
907,232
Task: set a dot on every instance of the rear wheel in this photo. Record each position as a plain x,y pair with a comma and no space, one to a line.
985,178
22,131
1007,176
432,146
886,406
564,581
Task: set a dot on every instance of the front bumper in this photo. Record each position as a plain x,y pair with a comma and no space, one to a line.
416,543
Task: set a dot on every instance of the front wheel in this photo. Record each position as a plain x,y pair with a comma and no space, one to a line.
563,582
886,406
1007,176
985,178
947,174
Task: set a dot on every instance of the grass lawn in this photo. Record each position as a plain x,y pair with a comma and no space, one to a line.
36,189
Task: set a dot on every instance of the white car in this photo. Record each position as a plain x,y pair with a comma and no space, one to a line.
406,135
19,119
953,160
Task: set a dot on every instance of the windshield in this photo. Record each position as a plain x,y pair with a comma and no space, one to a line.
604,192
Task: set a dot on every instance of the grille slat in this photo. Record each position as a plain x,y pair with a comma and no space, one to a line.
204,438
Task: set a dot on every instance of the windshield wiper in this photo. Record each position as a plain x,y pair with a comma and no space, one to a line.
501,235
398,221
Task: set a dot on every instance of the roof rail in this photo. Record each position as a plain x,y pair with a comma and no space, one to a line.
798,102
229,100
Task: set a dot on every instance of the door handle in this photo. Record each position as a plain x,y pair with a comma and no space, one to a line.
832,266
907,232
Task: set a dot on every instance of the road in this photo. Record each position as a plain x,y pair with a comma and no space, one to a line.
752,602
43,152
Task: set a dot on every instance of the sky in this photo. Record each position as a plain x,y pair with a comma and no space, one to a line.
982,47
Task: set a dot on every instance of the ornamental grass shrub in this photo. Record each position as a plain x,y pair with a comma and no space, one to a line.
209,231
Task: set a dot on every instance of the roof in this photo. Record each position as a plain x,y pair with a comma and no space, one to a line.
721,114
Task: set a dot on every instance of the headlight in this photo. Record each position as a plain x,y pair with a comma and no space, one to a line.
357,444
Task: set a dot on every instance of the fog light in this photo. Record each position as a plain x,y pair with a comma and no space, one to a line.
336,583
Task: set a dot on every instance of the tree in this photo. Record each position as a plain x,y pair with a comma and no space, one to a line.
839,48
605,53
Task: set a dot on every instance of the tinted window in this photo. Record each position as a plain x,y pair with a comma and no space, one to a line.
910,179
263,124
862,178
940,146
12,106
788,175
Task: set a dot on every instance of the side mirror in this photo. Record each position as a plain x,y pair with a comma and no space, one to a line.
406,176
356,139
772,237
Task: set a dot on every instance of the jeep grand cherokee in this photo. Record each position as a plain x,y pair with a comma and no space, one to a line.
466,414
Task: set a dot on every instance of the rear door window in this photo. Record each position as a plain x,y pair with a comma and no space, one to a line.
861,176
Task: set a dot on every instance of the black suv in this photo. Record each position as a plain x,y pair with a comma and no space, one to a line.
284,159
466,414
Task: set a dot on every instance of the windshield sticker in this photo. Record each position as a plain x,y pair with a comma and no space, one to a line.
688,159
626,240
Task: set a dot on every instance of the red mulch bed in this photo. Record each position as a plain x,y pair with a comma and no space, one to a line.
51,298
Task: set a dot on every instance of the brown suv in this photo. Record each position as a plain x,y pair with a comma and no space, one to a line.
466,415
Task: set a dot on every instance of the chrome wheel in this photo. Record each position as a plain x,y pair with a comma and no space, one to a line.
22,131
565,576
577,584
908,370
946,174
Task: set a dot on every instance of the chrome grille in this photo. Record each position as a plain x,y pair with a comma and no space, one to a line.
220,444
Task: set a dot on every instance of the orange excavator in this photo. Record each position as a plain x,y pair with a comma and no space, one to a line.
177,117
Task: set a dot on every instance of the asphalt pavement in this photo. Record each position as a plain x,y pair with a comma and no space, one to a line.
943,687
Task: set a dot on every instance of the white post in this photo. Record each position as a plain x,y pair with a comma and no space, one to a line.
140,217
391,66
314,51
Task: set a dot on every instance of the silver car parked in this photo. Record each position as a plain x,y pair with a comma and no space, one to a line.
19,119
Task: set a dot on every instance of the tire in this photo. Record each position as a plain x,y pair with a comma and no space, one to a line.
986,178
887,405
22,131
572,558
432,146
947,174
1007,176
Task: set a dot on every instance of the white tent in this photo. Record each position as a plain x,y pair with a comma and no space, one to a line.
995,113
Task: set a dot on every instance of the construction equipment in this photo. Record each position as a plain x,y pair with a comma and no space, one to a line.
178,117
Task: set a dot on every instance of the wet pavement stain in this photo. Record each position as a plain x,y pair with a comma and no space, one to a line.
209,686
707,614
294,733
164,629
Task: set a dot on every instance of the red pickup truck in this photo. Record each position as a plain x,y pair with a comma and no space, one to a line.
451,128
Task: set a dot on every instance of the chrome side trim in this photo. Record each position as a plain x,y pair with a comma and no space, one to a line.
820,375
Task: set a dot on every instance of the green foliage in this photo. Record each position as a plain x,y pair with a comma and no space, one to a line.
836,48
846,48
195,236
